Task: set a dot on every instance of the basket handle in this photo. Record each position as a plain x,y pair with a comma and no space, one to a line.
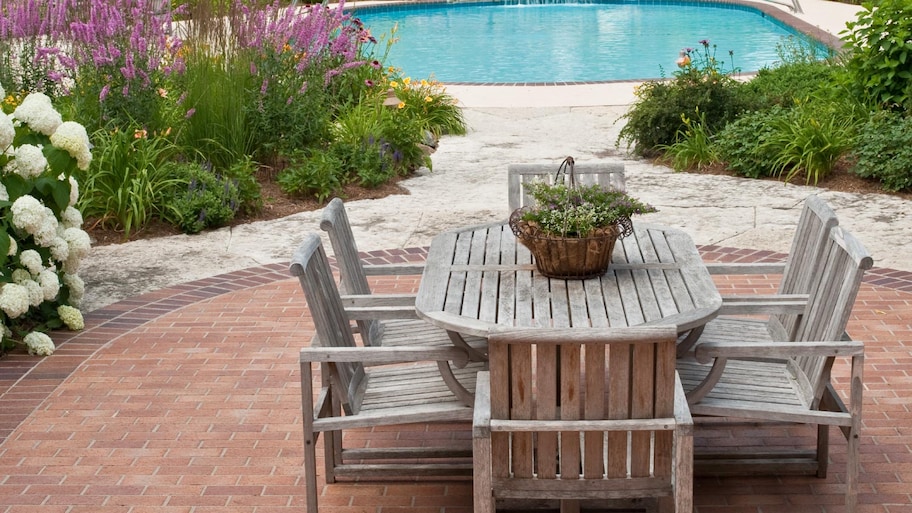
566,169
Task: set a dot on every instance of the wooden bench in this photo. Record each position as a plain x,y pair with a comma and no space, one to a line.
363,387
754,369
582,414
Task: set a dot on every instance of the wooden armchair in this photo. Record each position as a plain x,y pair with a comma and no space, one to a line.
786,306
606,174
373,386
401,328
582,415
758,370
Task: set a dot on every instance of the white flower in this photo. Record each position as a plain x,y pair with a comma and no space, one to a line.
28,162
72,137
60,250
71,218
28,214
14,247
50,284
38,113
74,193
36,295
2,92
76,286
79,244
7,131
72,317
31,260
39,344
14,300
4,194
46,234
21,276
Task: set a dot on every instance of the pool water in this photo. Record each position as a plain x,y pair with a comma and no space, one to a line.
492,43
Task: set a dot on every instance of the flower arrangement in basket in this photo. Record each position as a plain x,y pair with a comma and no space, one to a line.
571,229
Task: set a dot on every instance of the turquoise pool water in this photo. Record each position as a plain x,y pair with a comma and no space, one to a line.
494,42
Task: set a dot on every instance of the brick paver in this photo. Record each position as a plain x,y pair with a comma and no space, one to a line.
187,400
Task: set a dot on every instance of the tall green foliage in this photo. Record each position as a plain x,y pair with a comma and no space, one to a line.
880,61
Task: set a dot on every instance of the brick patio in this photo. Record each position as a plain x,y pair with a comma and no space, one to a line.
187,400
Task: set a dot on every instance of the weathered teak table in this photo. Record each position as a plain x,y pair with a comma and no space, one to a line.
479,276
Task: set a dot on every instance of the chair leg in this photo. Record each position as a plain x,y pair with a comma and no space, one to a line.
482,479
823,450
310,439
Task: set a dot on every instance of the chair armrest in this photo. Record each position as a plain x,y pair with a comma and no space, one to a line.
380,306
706,351
393,269
481,415
751,268
374,300
764,304
383,355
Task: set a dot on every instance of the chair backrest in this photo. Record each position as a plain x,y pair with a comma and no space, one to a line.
571,394
310,265
808,244
832,294
353,278
605,174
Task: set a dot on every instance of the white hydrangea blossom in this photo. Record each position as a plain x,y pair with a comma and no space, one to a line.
46,234
74,195
39,344
28,214
76,286
50,284
72,317
36,295
21,276
7,131
38,113
14,247
28,162
71,218
60,250
72,137
31,260
14,300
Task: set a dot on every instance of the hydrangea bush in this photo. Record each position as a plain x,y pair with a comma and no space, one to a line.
41,238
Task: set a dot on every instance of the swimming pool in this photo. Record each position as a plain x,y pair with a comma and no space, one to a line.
569,42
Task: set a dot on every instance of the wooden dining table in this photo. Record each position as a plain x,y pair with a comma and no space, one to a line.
480,276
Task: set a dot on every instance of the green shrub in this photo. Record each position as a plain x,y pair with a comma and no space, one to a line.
208,200
880,59
694,146
883,150
127,183
657,114
810,139
314,172
793,81
742,143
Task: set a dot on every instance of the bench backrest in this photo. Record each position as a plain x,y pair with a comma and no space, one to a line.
832,296
574,410
605,174
808,244
353,278
310,265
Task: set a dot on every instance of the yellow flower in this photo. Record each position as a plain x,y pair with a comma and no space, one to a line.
286,47
394,84
401,105
428,99
424,83
391,69
407,80
139,134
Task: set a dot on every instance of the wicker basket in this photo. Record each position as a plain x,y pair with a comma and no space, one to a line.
566,257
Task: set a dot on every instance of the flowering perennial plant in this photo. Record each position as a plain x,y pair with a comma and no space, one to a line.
576,210
41,239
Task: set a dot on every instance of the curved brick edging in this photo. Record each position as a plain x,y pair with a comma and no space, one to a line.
26,381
